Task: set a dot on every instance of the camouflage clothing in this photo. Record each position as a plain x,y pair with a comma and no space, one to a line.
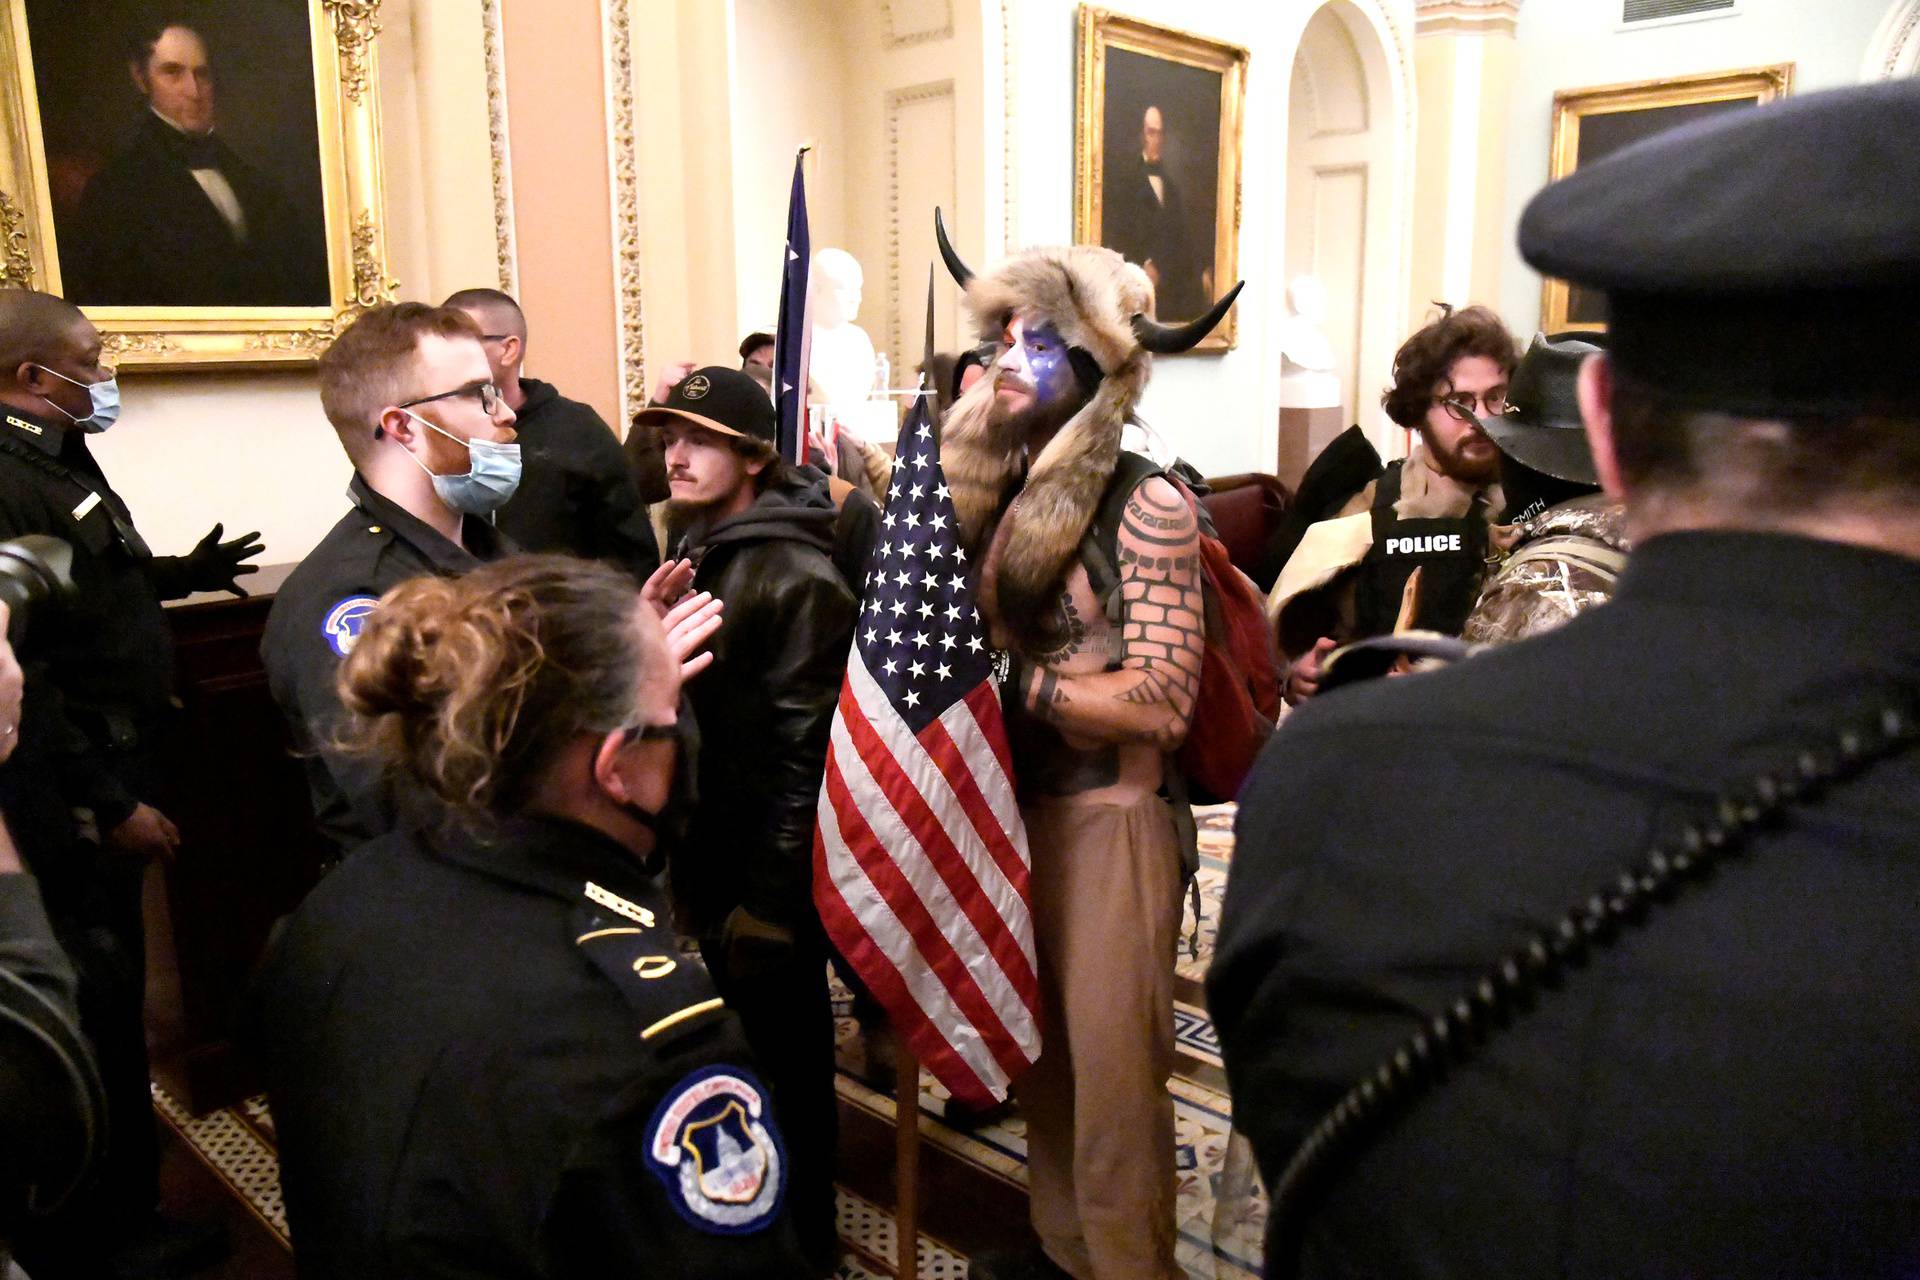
1559,563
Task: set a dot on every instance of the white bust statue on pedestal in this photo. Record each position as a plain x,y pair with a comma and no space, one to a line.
842,359
1308,378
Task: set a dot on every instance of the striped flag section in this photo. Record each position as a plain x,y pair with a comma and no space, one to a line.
920,858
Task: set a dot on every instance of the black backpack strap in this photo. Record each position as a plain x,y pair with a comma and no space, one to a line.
1100,545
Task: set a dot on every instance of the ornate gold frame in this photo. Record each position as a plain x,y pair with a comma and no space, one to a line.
1571,106
348,107
1100,29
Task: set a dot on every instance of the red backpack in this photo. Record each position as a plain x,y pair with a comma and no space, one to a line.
1239,698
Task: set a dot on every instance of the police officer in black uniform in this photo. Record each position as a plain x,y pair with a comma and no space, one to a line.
487,1054
79,793
1687,1075
408,390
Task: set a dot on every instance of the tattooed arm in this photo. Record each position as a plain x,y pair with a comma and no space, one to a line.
1149,698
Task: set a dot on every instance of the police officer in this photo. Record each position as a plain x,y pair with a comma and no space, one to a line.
1358,531
408,390
486,1052
79,794
1687,1075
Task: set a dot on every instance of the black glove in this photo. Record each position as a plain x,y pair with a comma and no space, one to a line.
213,565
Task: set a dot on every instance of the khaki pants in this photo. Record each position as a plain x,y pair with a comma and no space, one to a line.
1106,915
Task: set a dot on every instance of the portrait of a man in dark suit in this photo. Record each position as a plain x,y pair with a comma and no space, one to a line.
171,213
1159,175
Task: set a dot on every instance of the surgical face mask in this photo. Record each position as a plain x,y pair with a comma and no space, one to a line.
493,473
106,402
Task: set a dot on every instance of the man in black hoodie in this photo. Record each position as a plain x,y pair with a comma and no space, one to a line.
577,494
760,533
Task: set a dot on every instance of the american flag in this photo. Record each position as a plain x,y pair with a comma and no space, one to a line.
920,857
793,335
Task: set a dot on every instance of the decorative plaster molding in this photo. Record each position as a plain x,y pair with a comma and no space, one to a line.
16,254
898,39
505,247
1894,50
1009,91
122,344
623,157
1465,17
897,102
353,30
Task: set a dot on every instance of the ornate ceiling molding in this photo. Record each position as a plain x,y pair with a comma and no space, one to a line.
1465,17
1894,50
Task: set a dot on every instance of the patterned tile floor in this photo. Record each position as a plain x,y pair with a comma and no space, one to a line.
1221,1211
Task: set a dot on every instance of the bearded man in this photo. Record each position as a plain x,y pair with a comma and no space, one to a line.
1359,531
1093,707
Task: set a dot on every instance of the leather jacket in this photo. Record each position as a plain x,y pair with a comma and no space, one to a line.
765,706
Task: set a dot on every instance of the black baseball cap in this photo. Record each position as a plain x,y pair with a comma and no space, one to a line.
719,399
1763,261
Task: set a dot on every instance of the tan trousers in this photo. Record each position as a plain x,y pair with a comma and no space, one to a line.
1106,915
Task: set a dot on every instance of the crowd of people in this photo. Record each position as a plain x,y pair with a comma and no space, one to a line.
1576,951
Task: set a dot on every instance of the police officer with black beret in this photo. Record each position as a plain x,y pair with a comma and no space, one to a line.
409,392
1445,1071
486,1052
79,794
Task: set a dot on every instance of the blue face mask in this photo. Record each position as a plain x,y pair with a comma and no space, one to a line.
493,474
106,402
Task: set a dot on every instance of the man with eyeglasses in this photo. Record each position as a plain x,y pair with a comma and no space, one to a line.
410,393
1360,531
577,495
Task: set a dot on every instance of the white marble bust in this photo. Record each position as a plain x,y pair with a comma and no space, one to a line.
842,358
1308,377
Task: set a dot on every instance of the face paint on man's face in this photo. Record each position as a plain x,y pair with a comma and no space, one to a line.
1035,361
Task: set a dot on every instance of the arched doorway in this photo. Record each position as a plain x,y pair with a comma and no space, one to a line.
1344,230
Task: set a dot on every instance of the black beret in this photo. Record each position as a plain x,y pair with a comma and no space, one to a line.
1763,261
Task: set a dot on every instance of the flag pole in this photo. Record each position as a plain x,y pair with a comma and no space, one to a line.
906,1163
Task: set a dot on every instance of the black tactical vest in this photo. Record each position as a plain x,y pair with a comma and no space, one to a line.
1452,551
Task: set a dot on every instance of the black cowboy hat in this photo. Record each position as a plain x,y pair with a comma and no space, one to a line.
1541,426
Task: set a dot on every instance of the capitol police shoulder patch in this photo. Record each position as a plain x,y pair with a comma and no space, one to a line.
713,1144
341,628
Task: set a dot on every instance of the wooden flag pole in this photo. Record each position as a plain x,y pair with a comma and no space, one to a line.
906,1163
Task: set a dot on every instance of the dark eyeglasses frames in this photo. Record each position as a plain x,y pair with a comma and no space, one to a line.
485,392
650,733
1461,404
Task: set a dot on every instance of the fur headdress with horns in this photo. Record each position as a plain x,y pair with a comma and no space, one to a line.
1099,303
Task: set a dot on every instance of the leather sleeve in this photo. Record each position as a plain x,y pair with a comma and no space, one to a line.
809,619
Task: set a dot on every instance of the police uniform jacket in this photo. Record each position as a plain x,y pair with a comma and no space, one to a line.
316,617
1728,1091
765,707
486,1056
577,494
99,664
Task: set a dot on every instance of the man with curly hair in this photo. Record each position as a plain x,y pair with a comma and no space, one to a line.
1342,567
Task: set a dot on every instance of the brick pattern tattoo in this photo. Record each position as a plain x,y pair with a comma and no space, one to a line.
1163,632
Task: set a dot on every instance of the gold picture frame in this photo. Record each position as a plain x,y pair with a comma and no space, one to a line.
1591,123
1128,69
342,39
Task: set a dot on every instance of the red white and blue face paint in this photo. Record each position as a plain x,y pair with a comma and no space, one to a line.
1033,369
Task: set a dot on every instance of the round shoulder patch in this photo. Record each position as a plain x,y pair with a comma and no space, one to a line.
713,1144
341,627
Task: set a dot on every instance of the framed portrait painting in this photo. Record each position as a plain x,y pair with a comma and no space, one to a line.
203,179
1157,149
1589,124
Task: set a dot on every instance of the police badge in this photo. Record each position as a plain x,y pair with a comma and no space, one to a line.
710,1141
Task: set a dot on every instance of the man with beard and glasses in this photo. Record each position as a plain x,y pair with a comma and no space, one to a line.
1359,531
1032,455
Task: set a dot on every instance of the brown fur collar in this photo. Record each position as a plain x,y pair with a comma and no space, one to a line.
1090,295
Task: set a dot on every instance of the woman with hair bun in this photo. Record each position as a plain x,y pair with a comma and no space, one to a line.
486,1054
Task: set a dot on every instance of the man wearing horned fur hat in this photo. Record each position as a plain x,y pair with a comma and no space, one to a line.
1092,711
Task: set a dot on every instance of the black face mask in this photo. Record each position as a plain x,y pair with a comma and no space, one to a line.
669,824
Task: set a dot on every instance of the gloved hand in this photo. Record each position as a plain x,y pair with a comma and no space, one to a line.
213,565
753,946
